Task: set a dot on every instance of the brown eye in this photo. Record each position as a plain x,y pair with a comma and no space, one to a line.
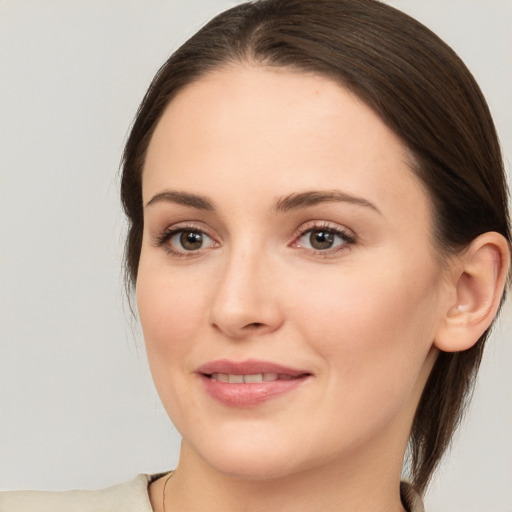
324,239
321,240
191,240
182,241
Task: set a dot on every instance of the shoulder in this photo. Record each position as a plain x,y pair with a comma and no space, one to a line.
131,496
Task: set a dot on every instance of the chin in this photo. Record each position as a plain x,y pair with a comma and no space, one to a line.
251,469
255,460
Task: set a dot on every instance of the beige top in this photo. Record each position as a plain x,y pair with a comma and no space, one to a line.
130,496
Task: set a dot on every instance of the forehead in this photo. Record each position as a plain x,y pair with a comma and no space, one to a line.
278,131
249,102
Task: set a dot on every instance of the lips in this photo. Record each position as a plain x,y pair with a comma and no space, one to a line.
249,383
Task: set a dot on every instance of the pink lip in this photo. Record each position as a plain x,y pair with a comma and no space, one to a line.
249,394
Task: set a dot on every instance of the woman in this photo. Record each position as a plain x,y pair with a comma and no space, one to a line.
319,244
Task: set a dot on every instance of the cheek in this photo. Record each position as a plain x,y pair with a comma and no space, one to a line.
170,315
373,329
171,312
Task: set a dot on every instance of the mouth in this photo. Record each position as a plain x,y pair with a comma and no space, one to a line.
252,378
249,383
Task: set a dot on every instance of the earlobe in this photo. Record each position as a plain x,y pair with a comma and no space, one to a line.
478,281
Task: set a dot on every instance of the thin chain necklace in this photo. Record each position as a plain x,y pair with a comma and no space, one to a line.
165,485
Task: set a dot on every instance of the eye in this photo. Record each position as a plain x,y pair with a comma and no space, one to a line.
319,240
183,242
324,239
190,240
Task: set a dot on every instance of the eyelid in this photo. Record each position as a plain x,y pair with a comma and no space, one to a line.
346,234
161,238
326,225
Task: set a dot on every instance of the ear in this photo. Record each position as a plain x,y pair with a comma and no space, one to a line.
477,281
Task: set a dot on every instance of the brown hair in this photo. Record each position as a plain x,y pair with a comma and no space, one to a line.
417,85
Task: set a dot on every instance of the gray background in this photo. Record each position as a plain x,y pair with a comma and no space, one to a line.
77,406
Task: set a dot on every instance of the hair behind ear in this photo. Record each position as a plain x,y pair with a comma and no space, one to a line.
447,392
478,278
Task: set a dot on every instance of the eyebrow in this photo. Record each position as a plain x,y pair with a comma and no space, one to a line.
311,198
183,198
293,201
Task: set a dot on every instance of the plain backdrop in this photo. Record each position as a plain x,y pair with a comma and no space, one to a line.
77,405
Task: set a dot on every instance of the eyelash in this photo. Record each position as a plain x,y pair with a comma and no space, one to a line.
162,239
348,238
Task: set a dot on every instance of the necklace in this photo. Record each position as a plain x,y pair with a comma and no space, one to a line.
165,485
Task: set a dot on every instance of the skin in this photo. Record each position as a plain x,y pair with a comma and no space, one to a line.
360,318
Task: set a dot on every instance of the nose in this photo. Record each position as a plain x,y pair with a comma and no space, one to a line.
244,302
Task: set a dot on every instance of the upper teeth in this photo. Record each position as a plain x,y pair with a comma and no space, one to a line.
256,377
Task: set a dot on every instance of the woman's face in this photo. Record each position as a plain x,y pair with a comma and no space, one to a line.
286,250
